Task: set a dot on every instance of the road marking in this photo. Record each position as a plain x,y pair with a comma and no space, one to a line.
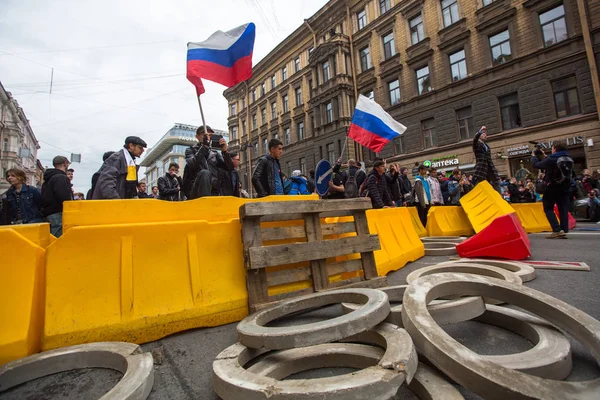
587,233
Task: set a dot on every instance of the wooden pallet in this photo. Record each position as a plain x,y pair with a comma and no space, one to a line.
290,248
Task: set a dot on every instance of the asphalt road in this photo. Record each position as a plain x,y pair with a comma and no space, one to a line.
184,360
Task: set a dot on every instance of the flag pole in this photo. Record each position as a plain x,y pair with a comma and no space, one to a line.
202,114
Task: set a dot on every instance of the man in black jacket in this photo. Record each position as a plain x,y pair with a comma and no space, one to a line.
119,174
405,187
169,185
142,191
377,186
229,178
204,165
556,193
56,189
391,178
267,177
484,166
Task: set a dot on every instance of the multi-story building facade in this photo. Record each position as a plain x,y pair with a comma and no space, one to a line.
170,148
443,68
19,144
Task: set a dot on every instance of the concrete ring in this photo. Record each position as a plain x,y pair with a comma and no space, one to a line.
453,239
551,355
477,269
440,248
478,374
429,385
443,311
252,331
127,358
381,378
525,271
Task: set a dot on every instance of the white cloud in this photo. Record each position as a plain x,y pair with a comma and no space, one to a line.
119,66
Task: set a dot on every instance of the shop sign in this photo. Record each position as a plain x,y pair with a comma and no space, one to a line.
570,141
519,150
446,161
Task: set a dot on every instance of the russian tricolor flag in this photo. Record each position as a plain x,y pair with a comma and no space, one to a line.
225,57
373,127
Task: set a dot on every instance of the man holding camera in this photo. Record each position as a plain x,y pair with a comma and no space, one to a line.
202,164
558,168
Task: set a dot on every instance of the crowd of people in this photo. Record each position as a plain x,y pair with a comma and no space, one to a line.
211,170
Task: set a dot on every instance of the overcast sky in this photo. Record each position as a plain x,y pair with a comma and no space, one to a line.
119,66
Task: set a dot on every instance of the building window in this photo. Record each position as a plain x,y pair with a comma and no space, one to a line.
458,65
303,165
5,145
233,109
389,47
265,146
284,73
394,89
384,6
399,146
253,121
234,133
509,111
450,11
273,110
326,71
554,26
297,64
286,104
243,104
500,46
428,133
565,97
298,96
255,149
331,153
365,58
243,128
310,50
300,130
253,95
263,114
263,89
273,82
423,80
361,18
416,29
288,167
286,136
329,112
464,117
487,2
369,95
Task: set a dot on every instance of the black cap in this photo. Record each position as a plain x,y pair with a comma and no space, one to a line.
200,130
135,140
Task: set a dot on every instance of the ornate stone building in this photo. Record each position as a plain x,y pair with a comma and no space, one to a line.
443,68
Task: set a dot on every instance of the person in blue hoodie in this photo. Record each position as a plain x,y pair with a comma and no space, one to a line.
299,183
422,194
555,193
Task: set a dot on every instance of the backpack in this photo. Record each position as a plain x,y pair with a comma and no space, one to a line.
563,172
364,192
287,186
351,189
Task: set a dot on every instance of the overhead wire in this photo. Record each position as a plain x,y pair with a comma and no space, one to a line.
97,47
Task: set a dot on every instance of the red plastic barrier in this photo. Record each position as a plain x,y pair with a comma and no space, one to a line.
503,238
572,222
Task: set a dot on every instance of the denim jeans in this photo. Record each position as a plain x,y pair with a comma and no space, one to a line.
561,199
55,224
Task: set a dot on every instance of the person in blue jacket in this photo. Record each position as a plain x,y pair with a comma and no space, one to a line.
299,183
24,200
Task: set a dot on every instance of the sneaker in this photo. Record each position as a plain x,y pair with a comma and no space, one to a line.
557,235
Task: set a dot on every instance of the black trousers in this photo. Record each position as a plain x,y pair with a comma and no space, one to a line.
561,199
422,211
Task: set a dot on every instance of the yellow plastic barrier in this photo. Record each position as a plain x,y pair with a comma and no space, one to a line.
400,243
21,296
141,282
419,228
483,204
37,233
448,221
532,217
109,212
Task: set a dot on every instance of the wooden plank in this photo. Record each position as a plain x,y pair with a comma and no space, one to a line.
300,216
345,266
284,276
298,232
260,209
318,267
367,257
275,299
256,280
376,283
270,256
